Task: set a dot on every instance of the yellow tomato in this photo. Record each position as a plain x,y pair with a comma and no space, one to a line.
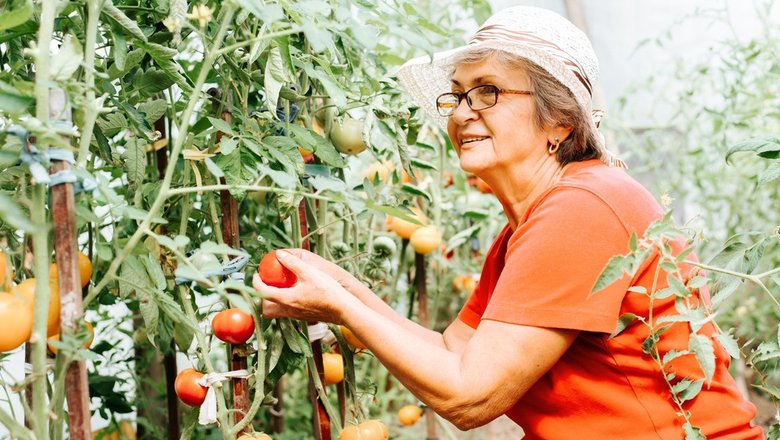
379,171
404,228
255,436
409,415
351,339
425,240
333,367
26,291
85,270
16,321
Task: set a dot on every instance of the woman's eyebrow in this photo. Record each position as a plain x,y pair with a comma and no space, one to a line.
477,80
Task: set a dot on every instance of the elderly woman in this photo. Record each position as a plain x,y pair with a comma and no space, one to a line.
531,342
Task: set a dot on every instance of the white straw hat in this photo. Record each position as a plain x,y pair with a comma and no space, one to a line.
538,35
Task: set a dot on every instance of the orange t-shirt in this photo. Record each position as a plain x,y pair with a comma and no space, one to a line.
542,273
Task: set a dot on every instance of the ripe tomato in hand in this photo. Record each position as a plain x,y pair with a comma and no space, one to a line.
233,326
188,389
273,273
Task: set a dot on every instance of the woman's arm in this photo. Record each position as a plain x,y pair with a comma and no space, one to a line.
453,338
478,378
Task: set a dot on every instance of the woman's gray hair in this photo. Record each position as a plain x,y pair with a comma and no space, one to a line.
555,105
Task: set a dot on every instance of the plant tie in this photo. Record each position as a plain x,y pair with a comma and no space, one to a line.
208,409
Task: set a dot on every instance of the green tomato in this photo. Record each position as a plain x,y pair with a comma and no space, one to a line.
348,136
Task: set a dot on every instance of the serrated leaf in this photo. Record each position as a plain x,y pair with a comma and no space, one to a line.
129,25
729,344
119,49
692,432
770,174
132,276
154,270
612,272
623,322
69,58
138,121
163,57
770,389
153,110
227,145
149,312
213,168
760,146
112,123
672,355
221,125
331,85
293,338
701,347
132,60
11,101
678,286
135,161
691,391
323,183
15,13
321,147
415,191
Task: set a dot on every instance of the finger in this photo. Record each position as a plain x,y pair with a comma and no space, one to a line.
272,309
293,262
268,291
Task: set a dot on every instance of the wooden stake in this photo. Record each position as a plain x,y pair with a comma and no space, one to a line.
422,314
66,251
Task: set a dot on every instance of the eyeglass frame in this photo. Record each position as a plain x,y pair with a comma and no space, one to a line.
462,95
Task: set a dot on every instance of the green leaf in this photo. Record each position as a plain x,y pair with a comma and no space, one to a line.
222,126
238,167
692,432
227,145
138,121
150,313
153,110
332,87
772,390
294,338
134,58
213,168
154,271
12,101
163,57
701,347
672,355
15,13
765,147
130,26
132,276
274,79
69,58
135,161
321,147
112,124
729,344
119,50
623,322
12,214
613,271
678,286
691,391
270,13
151,82
413,190
770,174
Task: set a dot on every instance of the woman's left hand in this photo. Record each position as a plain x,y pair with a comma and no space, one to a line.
315,297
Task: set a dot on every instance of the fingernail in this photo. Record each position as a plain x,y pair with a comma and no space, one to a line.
281,254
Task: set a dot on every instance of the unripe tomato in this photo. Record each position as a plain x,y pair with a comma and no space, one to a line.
87,344
426,240
404,228
333,367
273,273
351,339
188,389
16,321
6,273
233,326
368,430
307,155
347,137
26,291
409,415
85,270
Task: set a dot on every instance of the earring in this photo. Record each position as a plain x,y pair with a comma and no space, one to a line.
553,148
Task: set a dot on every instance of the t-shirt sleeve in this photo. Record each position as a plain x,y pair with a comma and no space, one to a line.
552,263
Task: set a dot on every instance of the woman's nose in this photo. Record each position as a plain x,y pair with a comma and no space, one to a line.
463,112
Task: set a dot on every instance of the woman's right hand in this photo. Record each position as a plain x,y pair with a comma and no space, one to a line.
346,279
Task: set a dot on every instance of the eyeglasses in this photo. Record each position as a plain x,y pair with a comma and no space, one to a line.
478,98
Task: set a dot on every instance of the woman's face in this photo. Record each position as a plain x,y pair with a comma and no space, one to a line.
501,137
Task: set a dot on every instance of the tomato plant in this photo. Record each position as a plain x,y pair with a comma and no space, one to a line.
233,326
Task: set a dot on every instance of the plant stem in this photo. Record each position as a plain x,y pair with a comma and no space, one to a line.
159,201
91,108
233,47
39,420
206,188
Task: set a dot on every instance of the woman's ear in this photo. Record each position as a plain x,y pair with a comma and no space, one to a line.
559,133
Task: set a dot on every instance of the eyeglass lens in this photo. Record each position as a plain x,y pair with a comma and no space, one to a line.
478,98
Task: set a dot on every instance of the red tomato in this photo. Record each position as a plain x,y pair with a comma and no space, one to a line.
188,389
233,326
273,273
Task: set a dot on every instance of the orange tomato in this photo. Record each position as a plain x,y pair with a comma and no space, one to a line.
26,291
404,228
426,239
378,171
465,283
85,270
368,430
351,339
16,321
188,389
6,273
409,415
333,367
255,436
87,344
